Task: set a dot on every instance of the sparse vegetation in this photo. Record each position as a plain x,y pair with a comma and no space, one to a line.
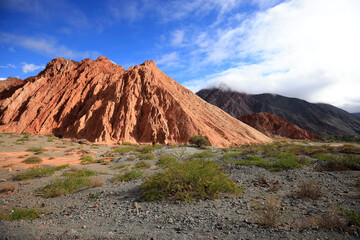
32,160
36,150
205,154
143,165
199,141
146,156
38,172
20,214
280,161
309,189
146,149
127,176
166,160
94,196
189,181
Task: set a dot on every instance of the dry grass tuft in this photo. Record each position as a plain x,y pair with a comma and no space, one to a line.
268,212
309,189
96,182
332,220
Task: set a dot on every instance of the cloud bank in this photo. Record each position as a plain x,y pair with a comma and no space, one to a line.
300,48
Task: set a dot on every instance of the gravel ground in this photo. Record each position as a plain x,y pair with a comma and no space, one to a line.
119,213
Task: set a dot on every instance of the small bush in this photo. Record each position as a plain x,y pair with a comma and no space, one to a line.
87,159
125,149
189,181
143,165
119,166
199,141
146,156
36,150
32,160
309,189
354,217
73,181
20,214
128,176
146,149
96,182
230,155
269,212
38,172
166,160
80,173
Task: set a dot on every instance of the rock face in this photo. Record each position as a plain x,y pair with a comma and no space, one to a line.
270,124
8,87
102,102
320,119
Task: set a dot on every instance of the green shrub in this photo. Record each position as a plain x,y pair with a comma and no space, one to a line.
20,214
230,155
189,181
64,186
166,160
38,172
199,141
205,154
280,161
87,159
354,217
80,173
146,156
146,149
127,176
36,150
32,160
143,165
285,161
125,149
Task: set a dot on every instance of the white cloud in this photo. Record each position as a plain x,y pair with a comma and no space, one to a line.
168,60
11,49
45,46
2,79
300,48
8,66
30,67
177,37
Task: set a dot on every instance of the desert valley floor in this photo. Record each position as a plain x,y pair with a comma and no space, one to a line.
272,204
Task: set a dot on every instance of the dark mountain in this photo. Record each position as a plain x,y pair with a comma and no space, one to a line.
356,115
321,119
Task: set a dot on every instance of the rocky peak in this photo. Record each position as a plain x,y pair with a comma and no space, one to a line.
100,101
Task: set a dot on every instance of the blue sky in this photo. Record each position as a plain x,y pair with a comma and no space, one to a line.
298,48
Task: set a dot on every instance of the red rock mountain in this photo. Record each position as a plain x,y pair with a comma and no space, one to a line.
8,87
270,124
102,102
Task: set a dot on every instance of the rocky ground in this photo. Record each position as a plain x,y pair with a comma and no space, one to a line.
117,211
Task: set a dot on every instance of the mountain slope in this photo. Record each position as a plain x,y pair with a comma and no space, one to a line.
321,119
102,102
270,124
